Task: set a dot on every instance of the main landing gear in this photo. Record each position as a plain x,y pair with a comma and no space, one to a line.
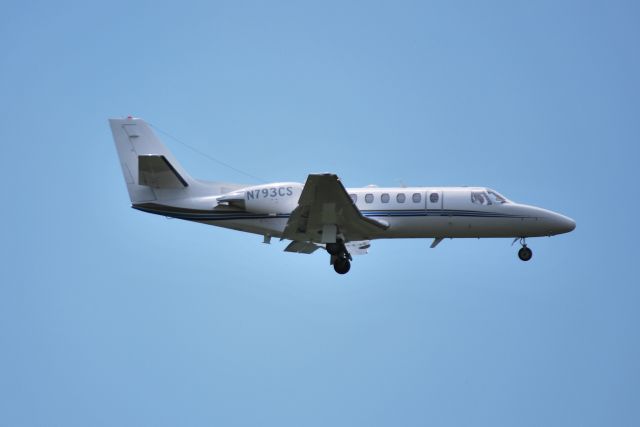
525,254
340,257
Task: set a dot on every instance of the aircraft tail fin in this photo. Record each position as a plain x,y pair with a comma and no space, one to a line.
150,170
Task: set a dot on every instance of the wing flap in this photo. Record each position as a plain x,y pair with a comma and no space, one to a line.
301,247
358,248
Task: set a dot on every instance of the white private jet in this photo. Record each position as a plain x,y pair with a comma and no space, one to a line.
322,213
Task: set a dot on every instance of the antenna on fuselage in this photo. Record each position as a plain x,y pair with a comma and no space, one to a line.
207,156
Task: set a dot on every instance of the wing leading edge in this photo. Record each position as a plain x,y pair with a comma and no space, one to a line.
325,214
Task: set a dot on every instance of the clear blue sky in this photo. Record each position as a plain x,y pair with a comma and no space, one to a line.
112,317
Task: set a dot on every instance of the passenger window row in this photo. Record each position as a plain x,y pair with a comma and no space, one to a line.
385,197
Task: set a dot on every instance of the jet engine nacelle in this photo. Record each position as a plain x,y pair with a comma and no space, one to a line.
275,198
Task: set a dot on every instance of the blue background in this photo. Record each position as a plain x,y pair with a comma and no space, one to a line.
112,317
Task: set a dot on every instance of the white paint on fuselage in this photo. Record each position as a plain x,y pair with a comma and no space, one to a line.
452,215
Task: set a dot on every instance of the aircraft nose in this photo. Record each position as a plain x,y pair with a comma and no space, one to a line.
563,224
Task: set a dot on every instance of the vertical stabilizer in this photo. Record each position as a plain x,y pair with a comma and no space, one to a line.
148,167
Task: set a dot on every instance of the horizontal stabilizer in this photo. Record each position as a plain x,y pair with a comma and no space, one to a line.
156,171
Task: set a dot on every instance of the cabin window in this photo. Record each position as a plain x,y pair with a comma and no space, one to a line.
480,198
384,198
434,197
417,197
400,198
354,198
368,198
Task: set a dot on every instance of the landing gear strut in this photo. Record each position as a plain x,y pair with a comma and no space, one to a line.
525,254
340,257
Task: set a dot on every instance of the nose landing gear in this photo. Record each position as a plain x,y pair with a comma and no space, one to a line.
525,254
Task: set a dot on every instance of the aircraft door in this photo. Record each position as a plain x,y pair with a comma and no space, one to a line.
434,199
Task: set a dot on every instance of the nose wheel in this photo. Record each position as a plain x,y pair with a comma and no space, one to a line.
525,254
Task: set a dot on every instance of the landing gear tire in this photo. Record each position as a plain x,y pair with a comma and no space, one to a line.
525,254
342,266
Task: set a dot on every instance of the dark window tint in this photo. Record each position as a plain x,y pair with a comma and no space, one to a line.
480,198
417,197
434,197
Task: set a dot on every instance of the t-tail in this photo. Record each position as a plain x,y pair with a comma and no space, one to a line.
151,172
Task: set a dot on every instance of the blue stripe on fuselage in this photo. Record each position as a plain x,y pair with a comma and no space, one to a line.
222,216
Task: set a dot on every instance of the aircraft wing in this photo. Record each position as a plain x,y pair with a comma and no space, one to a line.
325,211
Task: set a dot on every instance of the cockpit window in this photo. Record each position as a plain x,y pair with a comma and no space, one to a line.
488,197
496,198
